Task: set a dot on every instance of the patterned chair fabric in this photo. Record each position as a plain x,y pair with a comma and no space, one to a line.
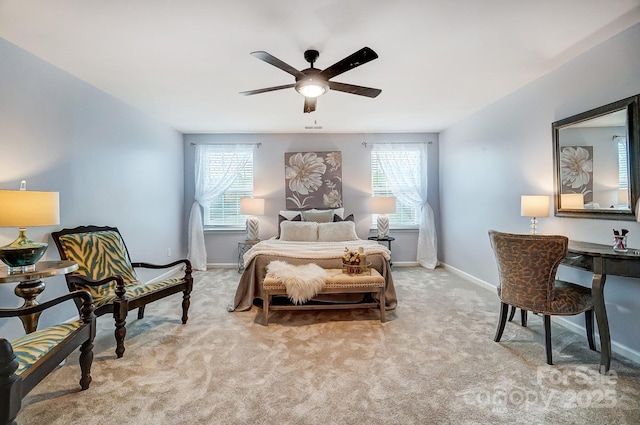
527,267
34,346
105,270
103,254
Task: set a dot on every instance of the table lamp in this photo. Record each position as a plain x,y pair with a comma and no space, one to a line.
26,208
382,205
252,207
534,206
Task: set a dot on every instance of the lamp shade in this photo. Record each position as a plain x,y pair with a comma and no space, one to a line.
623,196
27,208
251,206
534,206
382,205
572,201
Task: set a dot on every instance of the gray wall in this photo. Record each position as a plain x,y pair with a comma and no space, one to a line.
111,164
491,158
269,182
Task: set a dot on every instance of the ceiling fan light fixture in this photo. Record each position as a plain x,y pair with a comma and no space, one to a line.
312,87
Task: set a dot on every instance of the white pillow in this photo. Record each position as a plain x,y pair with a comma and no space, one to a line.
336,232
299,231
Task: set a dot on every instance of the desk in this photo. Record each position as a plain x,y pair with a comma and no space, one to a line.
31,285
602,260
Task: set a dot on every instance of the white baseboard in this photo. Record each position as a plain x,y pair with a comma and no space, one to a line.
616,347
222,265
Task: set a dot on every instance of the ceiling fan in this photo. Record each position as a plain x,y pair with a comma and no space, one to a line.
313,82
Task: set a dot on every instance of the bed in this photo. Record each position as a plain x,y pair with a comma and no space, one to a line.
303,242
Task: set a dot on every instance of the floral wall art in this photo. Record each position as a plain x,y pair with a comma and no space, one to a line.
576,171
313,180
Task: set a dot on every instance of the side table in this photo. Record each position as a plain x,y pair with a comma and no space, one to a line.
243,247
388,240
31,285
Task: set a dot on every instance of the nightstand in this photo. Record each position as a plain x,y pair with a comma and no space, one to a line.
388,240
242,248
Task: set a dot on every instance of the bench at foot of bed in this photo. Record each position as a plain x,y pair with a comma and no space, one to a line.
337,283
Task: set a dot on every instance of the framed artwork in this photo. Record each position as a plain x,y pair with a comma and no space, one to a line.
313,180
576,171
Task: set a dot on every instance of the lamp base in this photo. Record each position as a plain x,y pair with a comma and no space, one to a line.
534,226
22,254
383,226
253,232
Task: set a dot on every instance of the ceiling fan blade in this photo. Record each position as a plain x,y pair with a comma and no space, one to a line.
310,104
277,63
265,90
360,57
350,88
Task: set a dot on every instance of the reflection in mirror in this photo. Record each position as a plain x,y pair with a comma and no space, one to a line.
593,152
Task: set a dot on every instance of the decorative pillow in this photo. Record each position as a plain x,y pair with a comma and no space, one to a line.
337,218
339,212
306,231
281,218
335,232
318,217
289,214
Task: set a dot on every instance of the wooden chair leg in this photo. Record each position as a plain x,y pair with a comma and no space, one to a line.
523,318
547,338
86,359
512,313
121,329
186,302
588,319
504,308
141,312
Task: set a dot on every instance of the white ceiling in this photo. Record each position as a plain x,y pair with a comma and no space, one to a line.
185,61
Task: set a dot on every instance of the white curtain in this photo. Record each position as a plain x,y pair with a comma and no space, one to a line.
409,186
207,189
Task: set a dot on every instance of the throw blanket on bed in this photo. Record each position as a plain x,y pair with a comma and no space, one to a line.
301,282
313,249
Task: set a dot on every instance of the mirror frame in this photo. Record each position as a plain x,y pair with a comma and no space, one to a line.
633,143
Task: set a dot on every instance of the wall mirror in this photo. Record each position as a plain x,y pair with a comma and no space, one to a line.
596,160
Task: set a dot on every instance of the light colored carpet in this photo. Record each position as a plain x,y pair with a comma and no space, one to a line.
433,362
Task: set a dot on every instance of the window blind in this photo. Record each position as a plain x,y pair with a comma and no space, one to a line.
225,210
404,216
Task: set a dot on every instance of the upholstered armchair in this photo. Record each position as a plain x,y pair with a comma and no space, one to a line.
27,360
527,266
106,271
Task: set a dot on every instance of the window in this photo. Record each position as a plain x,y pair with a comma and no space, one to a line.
622,163
623,173
224,211
405,216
